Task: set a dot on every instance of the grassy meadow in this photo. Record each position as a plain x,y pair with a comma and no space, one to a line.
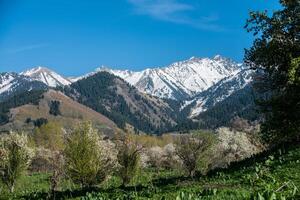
273,175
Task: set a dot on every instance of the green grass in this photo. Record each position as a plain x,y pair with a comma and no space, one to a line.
276,174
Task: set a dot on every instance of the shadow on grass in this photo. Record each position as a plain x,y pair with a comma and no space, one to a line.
162,183
61,194
82,192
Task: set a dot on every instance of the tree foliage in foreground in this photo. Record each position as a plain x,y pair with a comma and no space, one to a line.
128,157
15,157
276,52
84,159
191,149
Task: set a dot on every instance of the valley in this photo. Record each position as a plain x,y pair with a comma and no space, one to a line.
151,122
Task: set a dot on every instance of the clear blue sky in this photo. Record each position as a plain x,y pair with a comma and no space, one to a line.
73,37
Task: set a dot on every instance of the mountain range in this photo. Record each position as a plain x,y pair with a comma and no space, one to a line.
151,99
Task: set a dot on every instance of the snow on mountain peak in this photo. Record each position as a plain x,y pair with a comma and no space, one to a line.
6,81
38,69
47,76
218,57
182,79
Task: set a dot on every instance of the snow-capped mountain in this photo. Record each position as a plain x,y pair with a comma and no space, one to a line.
180,80
199,83
37,78
218,92
206,89
6,81
12,83
47,76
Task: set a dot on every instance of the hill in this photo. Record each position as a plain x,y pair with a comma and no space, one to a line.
71,112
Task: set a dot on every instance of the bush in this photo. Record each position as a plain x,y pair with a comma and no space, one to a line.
49,136
239,124
15,158
85,163
233,146
39,122
161,158
128,158
54,108
57,174
28,120
44,160
191,149
170,159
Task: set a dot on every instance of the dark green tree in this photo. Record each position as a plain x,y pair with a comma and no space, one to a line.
276,53
54,108
40,121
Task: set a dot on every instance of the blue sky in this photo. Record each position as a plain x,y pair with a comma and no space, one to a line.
73,37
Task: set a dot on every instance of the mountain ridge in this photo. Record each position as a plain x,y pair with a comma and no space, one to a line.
180,80
12,83
197,85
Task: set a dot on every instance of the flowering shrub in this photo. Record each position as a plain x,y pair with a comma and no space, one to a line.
233,146
15,158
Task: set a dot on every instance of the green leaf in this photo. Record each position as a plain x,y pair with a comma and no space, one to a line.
260,197
273,196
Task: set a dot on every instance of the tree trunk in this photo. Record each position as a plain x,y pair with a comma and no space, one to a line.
12,188
192,174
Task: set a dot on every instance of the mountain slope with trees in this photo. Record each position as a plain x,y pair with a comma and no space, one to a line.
123,103
12,84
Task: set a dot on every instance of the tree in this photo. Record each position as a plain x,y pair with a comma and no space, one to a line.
40,121
190,148
85,162
276,53
50,136
15,158
54,108
240,124
57,174
128,157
